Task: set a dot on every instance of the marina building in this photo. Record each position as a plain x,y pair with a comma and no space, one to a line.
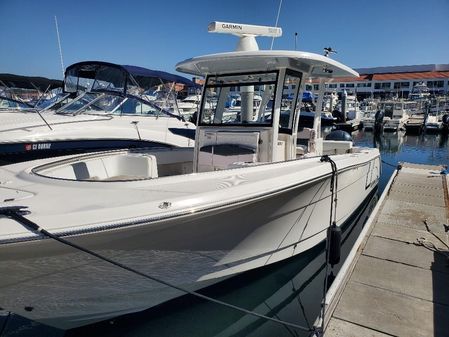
384,82
381,82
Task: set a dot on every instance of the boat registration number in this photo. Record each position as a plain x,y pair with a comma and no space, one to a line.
38,146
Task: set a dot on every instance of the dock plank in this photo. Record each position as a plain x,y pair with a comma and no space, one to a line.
400,252
412,215
391,313
402,279
410,234
393,285
339,328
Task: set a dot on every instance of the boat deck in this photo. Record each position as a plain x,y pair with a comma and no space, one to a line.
396,280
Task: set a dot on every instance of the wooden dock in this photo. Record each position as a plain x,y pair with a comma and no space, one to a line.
395,281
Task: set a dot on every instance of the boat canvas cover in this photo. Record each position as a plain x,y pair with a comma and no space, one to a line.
114,77
29,82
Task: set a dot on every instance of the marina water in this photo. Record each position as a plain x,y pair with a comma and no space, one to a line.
291,290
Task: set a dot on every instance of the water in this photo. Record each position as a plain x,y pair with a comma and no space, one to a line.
291,290
396,147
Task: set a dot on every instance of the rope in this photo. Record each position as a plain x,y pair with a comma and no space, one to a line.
332,222
426,243
431,232
16,213
389,164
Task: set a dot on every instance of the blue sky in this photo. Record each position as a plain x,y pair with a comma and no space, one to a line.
158,34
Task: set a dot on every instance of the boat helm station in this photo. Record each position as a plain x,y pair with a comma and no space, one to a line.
265,127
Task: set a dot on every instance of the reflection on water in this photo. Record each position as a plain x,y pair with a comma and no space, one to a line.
398,147
291,290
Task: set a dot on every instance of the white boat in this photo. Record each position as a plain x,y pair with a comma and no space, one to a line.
419,92
233,111
109,112
189,105
434,119
350,116
24,92
368,120
368,109
396,113
242,198
433,123
352,107
307,113
330,101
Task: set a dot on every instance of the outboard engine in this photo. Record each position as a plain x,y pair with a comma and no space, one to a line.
337,114
339,135
378,121
445,121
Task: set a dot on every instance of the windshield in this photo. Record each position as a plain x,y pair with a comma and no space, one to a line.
50,102
239,99
6,103
81,103
104,103
94,77
134,106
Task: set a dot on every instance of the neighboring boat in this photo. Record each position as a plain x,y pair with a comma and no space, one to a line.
110,111
10,104
368,120
27,90
415,124
433,123
330,101
189,105
234,108
368,109
307,113
434,119
419,92
395,114
242,198
350,116
421,95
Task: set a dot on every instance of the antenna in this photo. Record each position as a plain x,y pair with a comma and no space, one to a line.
247,33
276,24
296,39
59,45
328,51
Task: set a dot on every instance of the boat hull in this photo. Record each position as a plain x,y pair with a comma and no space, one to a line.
18,152
58,285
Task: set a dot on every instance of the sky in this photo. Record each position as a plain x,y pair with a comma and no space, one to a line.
159,34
